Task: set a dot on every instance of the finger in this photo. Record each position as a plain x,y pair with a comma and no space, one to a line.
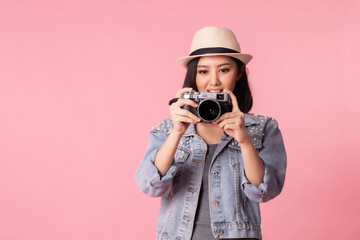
182,91
226,116
183,119
185,113
176,109
227,122
235,105
230,127
184,101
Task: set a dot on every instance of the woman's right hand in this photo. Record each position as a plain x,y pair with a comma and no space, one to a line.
182,118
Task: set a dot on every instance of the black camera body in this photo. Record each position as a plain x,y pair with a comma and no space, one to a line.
210,105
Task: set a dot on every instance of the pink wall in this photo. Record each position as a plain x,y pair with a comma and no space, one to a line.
82,83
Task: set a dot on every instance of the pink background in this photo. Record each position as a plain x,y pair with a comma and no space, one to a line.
82,83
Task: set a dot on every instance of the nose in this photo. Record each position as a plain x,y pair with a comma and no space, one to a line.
214,78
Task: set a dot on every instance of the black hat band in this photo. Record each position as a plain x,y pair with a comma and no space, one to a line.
203,51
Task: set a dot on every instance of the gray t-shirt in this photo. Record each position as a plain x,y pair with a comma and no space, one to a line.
202,226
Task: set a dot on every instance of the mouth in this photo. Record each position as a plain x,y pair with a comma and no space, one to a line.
214,90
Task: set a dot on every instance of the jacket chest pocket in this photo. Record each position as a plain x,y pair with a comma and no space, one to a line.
181,155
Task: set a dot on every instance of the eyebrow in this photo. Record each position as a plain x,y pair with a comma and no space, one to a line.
223,64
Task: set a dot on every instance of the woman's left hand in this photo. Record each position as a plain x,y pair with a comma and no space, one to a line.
233,123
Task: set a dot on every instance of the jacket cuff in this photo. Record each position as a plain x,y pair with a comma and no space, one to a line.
255,193
153,184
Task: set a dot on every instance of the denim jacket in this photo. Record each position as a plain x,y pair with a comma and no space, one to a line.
234,202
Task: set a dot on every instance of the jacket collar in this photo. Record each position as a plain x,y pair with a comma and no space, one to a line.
251,119
190,131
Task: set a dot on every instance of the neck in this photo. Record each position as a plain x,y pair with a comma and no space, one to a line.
209,133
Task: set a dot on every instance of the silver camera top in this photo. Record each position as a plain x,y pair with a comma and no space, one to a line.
198,96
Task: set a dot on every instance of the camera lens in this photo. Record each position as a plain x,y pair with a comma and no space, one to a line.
209,110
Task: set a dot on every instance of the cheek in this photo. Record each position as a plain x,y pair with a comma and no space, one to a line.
230,83
200,84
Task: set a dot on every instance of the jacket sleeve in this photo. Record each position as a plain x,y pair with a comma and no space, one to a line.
148,178
274,157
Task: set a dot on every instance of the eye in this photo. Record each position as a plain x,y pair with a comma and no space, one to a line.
224,70
202,71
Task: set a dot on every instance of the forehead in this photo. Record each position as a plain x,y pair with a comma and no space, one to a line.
215,60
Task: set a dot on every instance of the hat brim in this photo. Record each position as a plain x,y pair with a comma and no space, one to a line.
245,58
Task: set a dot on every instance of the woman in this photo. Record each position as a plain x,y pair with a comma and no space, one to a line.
213,175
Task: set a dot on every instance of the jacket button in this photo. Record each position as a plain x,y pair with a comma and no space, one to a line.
215,173
220,232
215,203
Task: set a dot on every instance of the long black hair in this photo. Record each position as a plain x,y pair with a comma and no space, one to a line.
241,91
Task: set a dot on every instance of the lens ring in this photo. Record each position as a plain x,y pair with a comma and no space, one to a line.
209,110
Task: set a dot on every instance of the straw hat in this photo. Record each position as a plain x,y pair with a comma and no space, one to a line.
213,41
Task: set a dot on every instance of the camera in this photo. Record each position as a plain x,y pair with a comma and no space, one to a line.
210,105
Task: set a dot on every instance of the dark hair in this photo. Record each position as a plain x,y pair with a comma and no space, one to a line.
241,91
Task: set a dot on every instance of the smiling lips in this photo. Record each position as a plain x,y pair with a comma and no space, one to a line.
214,90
